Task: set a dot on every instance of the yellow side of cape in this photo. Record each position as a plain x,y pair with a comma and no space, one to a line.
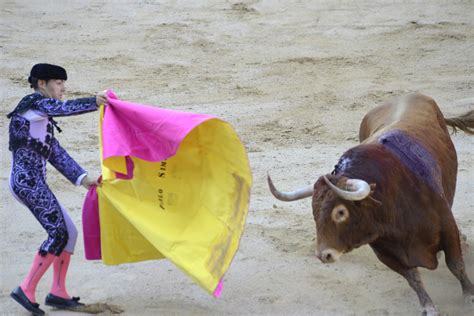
190,208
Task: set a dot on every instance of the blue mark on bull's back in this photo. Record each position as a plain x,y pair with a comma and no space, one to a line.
413,156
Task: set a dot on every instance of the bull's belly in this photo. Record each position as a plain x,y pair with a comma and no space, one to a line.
417,254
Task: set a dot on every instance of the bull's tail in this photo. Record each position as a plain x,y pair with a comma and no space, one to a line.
464,122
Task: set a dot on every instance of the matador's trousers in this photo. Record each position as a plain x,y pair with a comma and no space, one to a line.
28,185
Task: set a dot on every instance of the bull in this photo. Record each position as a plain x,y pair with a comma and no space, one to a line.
394,191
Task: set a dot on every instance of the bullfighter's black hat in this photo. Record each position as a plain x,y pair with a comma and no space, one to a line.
46,72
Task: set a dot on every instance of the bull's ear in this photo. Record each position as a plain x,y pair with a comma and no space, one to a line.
319,183
373,186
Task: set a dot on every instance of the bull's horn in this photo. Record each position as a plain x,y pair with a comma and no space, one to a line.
357,189
290,196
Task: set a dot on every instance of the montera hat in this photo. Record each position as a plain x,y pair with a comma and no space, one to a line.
47,72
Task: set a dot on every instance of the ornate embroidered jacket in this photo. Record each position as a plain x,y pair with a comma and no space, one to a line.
31,127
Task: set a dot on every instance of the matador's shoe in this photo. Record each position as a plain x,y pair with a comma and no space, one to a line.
62,303
18,295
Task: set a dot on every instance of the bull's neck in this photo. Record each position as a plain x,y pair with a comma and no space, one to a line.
365,162
373,164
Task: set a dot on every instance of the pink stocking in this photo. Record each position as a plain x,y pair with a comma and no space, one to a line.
60,266
38,268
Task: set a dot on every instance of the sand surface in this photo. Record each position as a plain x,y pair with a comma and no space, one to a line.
295,80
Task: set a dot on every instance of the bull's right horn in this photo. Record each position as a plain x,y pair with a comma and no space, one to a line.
290,196
359,189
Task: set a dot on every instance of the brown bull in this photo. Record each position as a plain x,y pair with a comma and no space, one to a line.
394,192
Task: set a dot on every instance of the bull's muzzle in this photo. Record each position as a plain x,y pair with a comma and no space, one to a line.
328,255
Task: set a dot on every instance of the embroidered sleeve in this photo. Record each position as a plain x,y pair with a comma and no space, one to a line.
54,107
64,163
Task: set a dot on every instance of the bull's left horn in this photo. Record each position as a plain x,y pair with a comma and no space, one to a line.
357,189
290,196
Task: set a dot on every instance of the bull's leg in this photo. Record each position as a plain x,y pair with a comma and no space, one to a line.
454,260
412,275
414,280
464,244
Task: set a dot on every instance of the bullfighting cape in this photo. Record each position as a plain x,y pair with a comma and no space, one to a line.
175,185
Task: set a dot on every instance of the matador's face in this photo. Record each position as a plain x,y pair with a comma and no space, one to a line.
54,88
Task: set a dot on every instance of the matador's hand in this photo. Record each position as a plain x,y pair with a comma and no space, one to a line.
101,98
88,182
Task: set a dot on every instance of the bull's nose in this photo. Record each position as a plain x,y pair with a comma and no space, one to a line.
328,255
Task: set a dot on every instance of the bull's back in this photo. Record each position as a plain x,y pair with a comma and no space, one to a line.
419,117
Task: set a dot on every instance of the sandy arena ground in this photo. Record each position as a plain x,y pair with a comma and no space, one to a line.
295,80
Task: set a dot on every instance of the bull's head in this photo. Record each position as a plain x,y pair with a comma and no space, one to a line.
342,210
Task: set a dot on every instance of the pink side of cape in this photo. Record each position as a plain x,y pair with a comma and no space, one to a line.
146,132
218,291
91,225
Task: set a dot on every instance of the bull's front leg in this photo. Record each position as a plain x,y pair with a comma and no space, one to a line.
412,275
414,280
458,269
453,253
464,243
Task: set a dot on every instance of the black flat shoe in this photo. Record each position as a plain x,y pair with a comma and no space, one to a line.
18,295
62,303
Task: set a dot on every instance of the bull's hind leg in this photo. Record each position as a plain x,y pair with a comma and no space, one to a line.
453,253
412,275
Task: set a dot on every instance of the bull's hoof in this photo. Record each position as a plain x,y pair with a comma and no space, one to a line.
430,311
469,300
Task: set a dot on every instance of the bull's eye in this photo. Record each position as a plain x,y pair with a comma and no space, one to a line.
340,214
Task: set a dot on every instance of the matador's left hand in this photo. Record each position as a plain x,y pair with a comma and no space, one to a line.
88,182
